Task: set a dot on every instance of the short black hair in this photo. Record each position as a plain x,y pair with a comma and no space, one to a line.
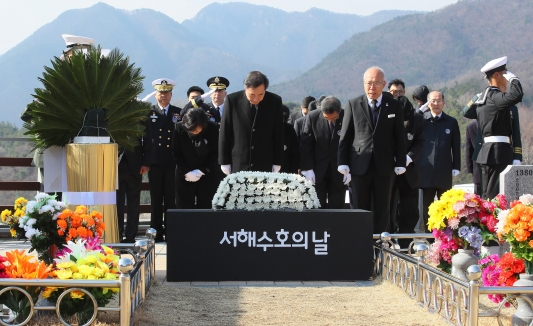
306,100
491,72
286,112
330,105
255,79
319,101
194,118
397,82
195,89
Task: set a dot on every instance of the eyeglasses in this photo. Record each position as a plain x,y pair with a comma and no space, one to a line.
374,84
436,101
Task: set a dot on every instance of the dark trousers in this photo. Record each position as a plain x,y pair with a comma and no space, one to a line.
368,186
331,192
407,213
428,196
478,187
203,190
490,179
129,189
162,192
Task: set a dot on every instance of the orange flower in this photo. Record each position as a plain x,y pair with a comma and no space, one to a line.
62,224
521,234
25,266
82,232
73,233
61,232
75,221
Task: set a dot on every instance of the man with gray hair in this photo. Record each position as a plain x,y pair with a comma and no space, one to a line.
251,129
372,147
320,143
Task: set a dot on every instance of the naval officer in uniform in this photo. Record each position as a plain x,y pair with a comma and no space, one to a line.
493,114
219,84
162,118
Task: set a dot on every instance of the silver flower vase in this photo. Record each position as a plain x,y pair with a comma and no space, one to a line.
461,261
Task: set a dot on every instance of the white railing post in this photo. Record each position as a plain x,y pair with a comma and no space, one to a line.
474,274
125,266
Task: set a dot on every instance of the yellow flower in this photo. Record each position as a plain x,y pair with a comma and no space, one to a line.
103,267
13,232
108,250
91,277
110,276
48,292
76,294
19,213
92,259
65,265
5,214
77,276
98,272
105,290
63,274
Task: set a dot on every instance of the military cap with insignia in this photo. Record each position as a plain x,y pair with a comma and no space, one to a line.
495,65
75,41
217,83
163,84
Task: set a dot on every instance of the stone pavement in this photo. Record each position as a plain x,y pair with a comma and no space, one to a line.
7,244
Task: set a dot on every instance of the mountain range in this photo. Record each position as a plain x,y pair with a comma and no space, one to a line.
222,39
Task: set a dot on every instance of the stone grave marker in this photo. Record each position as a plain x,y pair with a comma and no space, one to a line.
516,180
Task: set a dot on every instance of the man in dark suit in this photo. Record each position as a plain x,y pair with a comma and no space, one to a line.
471,151
406,185
132,166
320,143
440,160
291,146
251,131
372,147
300,122
162,118
304,109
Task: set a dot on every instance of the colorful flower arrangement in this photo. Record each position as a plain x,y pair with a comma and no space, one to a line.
502,271
515,225
261,191
11,218
80,224
461,220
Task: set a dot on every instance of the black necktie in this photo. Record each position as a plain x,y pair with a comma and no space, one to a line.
164,112
254,111
331,125
375,111
217,108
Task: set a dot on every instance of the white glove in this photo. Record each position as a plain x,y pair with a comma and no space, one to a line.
276,168
344,169
517,162
226,169
197,173
399,170
455,173
425,107
347,178
191,177
408,160
309,175
203,96
509,76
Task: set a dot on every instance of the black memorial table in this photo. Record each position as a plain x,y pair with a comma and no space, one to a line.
313,245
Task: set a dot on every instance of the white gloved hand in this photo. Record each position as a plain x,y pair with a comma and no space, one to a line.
408,160
226,169
509,76
425,107
399,170
309,175
455,173
276,168
347,178
192,177
517,162
198,173
205,95
344,169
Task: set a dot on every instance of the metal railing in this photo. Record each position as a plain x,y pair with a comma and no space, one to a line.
134,283
437,291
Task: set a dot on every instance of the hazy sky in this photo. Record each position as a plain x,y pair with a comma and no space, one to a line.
20,18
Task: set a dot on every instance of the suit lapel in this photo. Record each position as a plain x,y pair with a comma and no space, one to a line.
244,106
382,111
338,125
366,112
324,125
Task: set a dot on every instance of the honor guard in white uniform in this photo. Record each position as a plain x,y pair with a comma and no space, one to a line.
493,113
162,118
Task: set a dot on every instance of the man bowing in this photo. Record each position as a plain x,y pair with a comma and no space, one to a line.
372,147
251,130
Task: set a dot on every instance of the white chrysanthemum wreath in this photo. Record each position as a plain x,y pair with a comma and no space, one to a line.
255,191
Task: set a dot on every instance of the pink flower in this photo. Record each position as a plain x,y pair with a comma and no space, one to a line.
459,206
454,223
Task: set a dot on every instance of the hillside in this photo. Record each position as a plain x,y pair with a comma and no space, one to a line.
163,47
423,48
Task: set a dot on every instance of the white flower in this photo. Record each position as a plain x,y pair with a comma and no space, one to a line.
230,205
502,217
30,222
30,206
45,209
526,199
41,196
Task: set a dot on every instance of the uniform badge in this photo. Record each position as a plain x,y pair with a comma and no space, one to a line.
284,147
176,117
212,119
410,136
339,132
153,120
154,117
447,131
205,141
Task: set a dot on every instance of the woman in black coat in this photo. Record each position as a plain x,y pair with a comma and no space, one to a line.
195,150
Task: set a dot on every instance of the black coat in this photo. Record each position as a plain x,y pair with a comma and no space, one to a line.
212,113
441,153
141,154
291,150
162,128
295,116
414,142
203,158
470,151
251,144
493,115
319,147
299,127
359,141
